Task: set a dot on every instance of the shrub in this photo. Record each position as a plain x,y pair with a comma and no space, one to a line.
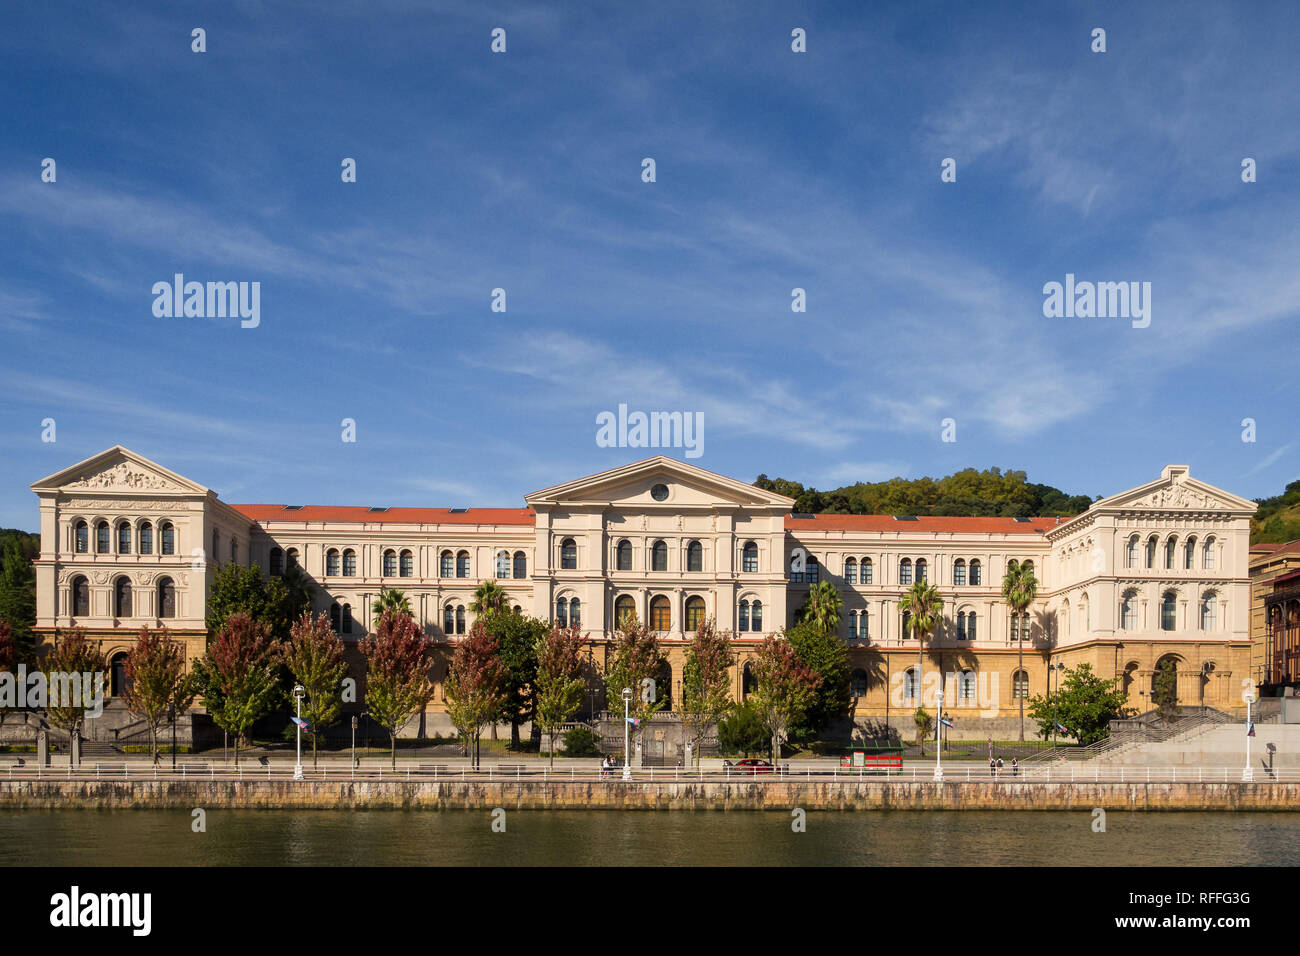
580,742
744,732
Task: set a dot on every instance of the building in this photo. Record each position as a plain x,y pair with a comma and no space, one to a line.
1158,572
1275,615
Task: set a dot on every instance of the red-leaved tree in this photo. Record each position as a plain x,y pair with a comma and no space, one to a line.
476,685
398,658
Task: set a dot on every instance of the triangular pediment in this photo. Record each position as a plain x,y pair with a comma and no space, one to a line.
635,484
1176,490
118,470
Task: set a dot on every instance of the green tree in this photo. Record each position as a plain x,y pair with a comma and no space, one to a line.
1019,589
823,608
924,727
706,683
635,665
924,609
156,681
390,599
238,677
828,657
398,687
237,590
559,683
1085,704
1164,688
314,656
18,596
489,598
8,649
476,686
786,688
517,636
743,731
73,656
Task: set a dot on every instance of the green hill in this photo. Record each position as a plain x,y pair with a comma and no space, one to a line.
1278,518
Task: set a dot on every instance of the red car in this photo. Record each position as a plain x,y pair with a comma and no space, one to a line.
752,765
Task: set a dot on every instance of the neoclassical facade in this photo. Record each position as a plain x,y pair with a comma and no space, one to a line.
1154,573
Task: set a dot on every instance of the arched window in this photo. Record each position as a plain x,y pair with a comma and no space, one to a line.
347,619
959,573
462,564
909,686
853,625
277,561
1128,611
976,573
695,556
742,618
390,563
568,555
659,557
624,609
1208,560
101,538
124,538
1189,553
694,613
966,687
922,570
332,562
970,625
850,570
863,633
349,563
858,683
1028,566
1208,611
407,566
867,571
122,597
562,612
1085,613
521,565
80,597
336,617
118,683
905,571
749,558
166,598
1131,552
660,614
1171,549
168,538
234,551
907,617
961,625
291,558
146,538
460,619
216,546
81,534
1064,618
446,565
813,570
575,613
1019,685
748,682
623,556
756,616
1168,611
1151,551
503,564
449,619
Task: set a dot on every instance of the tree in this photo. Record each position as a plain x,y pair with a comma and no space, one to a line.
18,597
828,657
786,688
559,682
924,726
156,681
73,656
1019,588
1085,704
743,731
489,597
237,589
635,665
823,608
8,649
298,591
518,636
398,657
476,686
238,678
1164,688
706,683
924,608
390,599
314,656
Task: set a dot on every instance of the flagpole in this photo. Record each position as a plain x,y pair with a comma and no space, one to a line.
298,691
1248,774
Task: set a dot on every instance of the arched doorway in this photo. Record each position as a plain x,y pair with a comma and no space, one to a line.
1164,682
117,668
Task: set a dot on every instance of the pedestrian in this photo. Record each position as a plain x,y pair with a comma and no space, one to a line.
993,767
1015,767
999,766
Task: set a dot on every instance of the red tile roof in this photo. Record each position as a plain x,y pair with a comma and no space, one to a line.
344,513
928,524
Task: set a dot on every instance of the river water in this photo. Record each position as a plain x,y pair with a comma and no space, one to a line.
682,838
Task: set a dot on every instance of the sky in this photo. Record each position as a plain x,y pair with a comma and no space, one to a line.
522,170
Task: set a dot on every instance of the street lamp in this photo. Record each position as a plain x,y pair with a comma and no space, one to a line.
627,723
938,740
171,715
1058,668
354,740
298,692
1248,774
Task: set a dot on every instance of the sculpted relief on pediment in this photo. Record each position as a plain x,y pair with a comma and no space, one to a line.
123,477
1177,495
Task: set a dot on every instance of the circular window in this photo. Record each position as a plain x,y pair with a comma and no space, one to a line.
659,492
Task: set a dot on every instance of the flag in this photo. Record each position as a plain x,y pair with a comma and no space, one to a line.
945,721
302,724
634,721
1061,727
1250,729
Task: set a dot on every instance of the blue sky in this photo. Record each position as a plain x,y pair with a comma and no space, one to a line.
522,171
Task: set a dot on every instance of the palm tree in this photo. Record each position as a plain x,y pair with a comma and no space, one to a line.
924,609
824,607
1019,588
488,597
390,599
298,589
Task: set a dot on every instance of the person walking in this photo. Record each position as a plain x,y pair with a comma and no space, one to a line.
999,766
993,767
1015,766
